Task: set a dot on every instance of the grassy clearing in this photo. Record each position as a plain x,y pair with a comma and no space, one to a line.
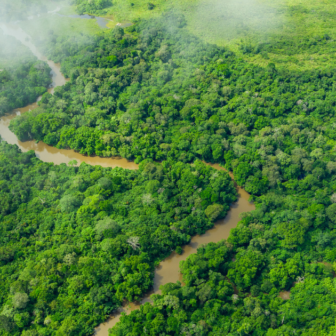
221,22
235,23
299,25
241,25
306,38
130,10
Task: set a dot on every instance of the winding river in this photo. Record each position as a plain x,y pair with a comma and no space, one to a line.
168,270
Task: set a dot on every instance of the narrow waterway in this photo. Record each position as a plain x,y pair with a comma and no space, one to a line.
17,32
43,151
168,270
52,154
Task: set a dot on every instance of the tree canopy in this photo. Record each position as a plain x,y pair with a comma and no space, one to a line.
91,6
22,84
77,241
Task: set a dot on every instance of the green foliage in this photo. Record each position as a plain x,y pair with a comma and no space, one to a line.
150,6
92,6
210,305
23,84
331,212
156,102
213,211
274,129
287,243
78,241
156,92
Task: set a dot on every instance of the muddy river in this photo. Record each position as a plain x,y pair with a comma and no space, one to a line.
168,270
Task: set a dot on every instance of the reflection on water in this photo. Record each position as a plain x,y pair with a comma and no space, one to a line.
102,22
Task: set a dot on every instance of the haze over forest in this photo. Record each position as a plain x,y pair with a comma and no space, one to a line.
132,134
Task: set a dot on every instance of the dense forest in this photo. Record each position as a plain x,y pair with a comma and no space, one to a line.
91,6
77,241
139,96
22,84
277,136
233,287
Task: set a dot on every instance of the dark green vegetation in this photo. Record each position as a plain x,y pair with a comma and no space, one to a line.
158,93
251,25
275,130
232,288
23,84
92,6
162,93
138,96
77,241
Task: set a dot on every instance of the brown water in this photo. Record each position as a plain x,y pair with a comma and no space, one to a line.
51,154
168,270
43,151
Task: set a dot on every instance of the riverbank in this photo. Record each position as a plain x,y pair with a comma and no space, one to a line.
168,270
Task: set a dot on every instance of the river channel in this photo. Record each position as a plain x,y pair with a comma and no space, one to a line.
168,270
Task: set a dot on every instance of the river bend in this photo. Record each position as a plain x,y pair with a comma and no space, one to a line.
168,270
